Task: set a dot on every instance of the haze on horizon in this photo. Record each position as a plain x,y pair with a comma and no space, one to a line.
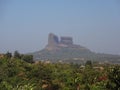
25,24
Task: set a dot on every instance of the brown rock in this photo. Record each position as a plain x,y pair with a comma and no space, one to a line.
52,40
55,44
66,40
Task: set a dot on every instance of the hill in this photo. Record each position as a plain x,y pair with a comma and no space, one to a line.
66,51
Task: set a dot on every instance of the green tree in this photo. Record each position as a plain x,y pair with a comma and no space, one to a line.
41,75
8,55
114,78
88,63
28,58
17,55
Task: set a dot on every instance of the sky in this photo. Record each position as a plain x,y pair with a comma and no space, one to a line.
25,24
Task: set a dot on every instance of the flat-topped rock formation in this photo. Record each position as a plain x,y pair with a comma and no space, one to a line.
66,40
61,48
54,43
64,49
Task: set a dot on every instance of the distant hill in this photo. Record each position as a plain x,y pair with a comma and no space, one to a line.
66,51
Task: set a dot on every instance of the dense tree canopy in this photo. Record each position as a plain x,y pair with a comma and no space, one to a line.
22,74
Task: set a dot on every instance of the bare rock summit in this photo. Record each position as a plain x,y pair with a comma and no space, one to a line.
54,43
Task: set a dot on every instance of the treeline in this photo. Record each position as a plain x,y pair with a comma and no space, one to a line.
18,73
17,55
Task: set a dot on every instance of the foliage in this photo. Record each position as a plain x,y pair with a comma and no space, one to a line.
88,63
21,74
114,78
28,58
17,55
8,55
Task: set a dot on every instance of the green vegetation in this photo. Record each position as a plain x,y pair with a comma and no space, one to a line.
74,55
19,72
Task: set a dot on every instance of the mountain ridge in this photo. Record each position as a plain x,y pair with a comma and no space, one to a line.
64,49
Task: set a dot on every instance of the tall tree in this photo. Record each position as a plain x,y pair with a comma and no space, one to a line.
17,55
88,63
8,55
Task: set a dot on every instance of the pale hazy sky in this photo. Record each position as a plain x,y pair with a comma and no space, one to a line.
25,24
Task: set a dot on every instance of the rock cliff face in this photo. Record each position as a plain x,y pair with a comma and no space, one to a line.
52,40
55,44
66,40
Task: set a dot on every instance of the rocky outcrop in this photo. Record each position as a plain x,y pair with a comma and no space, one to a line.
55,44
66,40
52,40
65,50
